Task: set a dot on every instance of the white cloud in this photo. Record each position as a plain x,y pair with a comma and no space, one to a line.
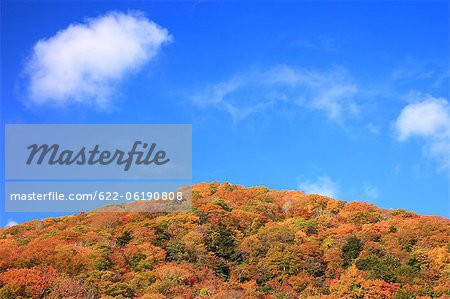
428,119
371,192
322,185
11,223
373,129
434,73
84,62
332,92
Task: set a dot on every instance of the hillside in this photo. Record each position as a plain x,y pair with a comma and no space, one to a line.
237,243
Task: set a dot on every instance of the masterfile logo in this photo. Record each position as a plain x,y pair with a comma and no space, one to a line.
70,168
52,155
96,152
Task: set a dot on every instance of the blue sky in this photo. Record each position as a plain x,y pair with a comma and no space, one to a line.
349,99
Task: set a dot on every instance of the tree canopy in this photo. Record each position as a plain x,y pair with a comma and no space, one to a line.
236,243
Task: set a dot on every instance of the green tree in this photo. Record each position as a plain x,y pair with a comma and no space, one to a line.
351,251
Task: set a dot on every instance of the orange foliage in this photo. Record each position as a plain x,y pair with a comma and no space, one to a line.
236,243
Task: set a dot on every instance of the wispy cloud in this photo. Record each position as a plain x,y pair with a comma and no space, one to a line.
370,192
373,129
84,62
11,223
321,185
332,92
428,119
434,73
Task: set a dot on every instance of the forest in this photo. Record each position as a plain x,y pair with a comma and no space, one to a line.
237,242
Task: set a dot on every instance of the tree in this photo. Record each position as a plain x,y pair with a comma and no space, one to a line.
31,283
351,251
